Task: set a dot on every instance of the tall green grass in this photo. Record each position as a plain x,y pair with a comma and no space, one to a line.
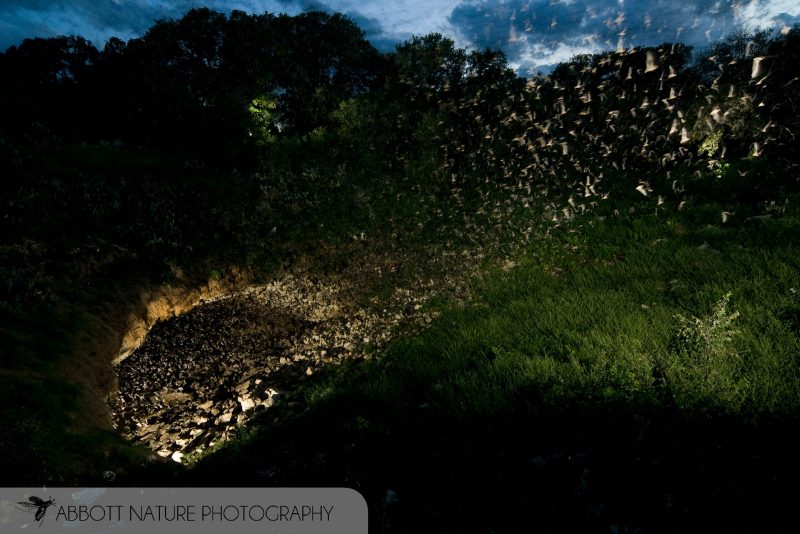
638,371
647,311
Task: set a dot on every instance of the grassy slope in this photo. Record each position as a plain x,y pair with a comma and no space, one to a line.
567,390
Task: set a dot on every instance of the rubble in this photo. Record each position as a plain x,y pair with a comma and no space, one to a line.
196,377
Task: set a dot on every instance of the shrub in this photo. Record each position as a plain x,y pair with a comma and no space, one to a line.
706,362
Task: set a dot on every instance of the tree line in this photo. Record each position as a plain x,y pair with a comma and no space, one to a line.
242,122
218,86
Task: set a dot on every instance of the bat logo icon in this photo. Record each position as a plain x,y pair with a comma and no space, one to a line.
36,505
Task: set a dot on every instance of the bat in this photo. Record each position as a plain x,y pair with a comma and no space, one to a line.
36,505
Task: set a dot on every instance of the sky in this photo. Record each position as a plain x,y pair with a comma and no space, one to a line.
534,34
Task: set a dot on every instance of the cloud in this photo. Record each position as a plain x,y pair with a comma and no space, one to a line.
388,23
374,32
98,20
535,34
766,13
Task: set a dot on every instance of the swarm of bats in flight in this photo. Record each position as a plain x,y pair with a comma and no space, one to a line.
637,122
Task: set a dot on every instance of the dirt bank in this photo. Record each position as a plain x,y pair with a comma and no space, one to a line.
116,327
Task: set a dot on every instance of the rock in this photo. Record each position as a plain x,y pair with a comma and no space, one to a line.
177,456
224,419
195,375
246,403
202,440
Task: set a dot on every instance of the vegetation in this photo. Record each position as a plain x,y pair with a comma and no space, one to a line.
573,378
633,215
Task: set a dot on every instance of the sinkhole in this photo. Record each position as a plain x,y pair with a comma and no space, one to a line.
198,376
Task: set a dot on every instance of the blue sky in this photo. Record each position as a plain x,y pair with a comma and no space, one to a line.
533,33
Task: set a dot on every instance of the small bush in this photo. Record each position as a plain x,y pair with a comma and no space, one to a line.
706,362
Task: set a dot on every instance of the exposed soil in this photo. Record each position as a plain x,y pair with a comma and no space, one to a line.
117,327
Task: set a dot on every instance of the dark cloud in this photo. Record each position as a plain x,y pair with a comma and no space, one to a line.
372,27
374,32
98,20
302,5
533,33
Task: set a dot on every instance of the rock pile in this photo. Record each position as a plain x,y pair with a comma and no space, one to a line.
198,376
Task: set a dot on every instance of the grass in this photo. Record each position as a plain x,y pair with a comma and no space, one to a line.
607,322
657,352
47,436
